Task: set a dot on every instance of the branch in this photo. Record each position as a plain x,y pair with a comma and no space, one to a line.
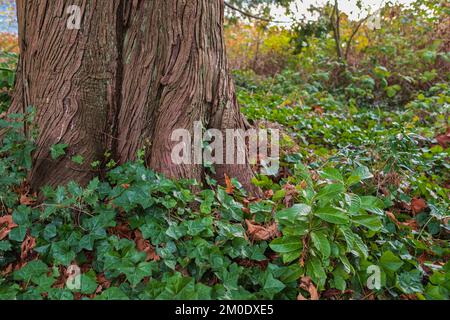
349,41
247,14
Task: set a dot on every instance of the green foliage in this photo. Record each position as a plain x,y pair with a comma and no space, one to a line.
356,153
195,244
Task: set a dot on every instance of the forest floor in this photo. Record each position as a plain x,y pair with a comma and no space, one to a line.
359,210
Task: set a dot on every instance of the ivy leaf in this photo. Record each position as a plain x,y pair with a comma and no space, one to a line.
58,150
78,160
390,262
88,282
410,282
21,216
18,234
31,270
112,293
5,246
273,286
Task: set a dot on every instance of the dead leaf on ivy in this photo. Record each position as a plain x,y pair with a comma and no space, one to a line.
7,270
418,205
27,246
411,224
103,283
307,285
145,246
392,217
261,233
319,110
444,139
6,225
26,200
229,185
291,191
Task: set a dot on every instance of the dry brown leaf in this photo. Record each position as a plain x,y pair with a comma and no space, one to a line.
319,110
392,217
291,191
268,194
444,139
229,185
411,224
27,246
418,205
26,200
122,230
6,225
7,270
145,246
104,283
307,284
261,233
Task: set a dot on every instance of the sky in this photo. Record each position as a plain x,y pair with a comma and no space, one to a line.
300,7
8,23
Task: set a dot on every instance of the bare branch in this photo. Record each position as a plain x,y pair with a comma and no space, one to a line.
249,15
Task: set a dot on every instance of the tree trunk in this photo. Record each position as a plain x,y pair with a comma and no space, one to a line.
132,74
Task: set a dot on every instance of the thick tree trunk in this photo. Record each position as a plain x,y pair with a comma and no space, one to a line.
135,72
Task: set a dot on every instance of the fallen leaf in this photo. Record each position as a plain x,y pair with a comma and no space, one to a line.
27,246
6,225
392,217
229,185
319,110
122,230
7,270
307,284
261,233
145,246
418,205
268,194
291,191
104,283
444,139
26,200
411,224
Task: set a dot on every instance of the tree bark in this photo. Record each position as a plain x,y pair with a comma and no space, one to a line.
133,73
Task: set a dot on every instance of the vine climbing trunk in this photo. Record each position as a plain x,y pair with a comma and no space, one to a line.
133,72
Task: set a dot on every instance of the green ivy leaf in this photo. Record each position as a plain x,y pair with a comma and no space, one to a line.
390,262
410,282
58,150
31,270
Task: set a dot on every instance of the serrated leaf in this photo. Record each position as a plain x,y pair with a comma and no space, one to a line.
332,215
286,244
321,243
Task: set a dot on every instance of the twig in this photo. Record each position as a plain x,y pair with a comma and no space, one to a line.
249,15
355,31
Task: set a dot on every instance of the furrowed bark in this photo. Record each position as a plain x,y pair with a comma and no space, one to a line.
134,73
69,77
